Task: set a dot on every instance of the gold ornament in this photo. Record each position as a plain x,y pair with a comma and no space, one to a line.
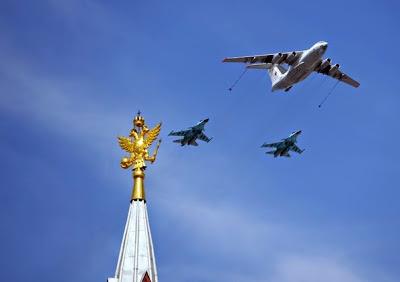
137,144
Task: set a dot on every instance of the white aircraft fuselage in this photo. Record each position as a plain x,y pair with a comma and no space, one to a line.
300,70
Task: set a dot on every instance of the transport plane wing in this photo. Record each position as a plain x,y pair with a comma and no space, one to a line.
333,71
277,58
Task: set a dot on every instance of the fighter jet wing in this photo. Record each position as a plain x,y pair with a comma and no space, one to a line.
277,58
204,138
178,133
334,72
296,149
272,145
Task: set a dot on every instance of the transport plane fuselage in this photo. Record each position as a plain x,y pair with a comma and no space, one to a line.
300,70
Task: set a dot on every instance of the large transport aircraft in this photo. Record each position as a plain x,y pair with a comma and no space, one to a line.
300,65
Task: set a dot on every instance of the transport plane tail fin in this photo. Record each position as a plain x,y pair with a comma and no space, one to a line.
275,73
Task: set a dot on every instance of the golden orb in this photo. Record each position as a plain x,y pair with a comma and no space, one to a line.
125,162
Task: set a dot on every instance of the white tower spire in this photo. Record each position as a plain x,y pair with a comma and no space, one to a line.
136,257
136,262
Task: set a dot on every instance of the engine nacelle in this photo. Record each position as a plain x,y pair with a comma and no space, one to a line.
276,58
324,64
334,69
292,56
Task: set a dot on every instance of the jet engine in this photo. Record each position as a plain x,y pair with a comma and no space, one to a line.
334,69
292,56
324,64
276,58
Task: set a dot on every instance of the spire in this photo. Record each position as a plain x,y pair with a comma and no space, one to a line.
136,262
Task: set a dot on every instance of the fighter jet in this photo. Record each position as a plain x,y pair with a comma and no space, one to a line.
192,134
282,148
300,64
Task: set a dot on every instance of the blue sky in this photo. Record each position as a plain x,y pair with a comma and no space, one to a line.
72,76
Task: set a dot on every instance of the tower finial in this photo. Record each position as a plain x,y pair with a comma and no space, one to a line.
137,145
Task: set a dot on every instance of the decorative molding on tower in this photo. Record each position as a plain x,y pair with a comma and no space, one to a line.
136,262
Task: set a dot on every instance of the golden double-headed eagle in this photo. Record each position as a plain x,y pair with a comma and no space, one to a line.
137,144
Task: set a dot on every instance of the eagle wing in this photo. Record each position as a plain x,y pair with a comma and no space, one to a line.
152,135
125,144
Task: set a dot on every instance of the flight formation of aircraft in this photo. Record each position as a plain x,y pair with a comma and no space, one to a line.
285,70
